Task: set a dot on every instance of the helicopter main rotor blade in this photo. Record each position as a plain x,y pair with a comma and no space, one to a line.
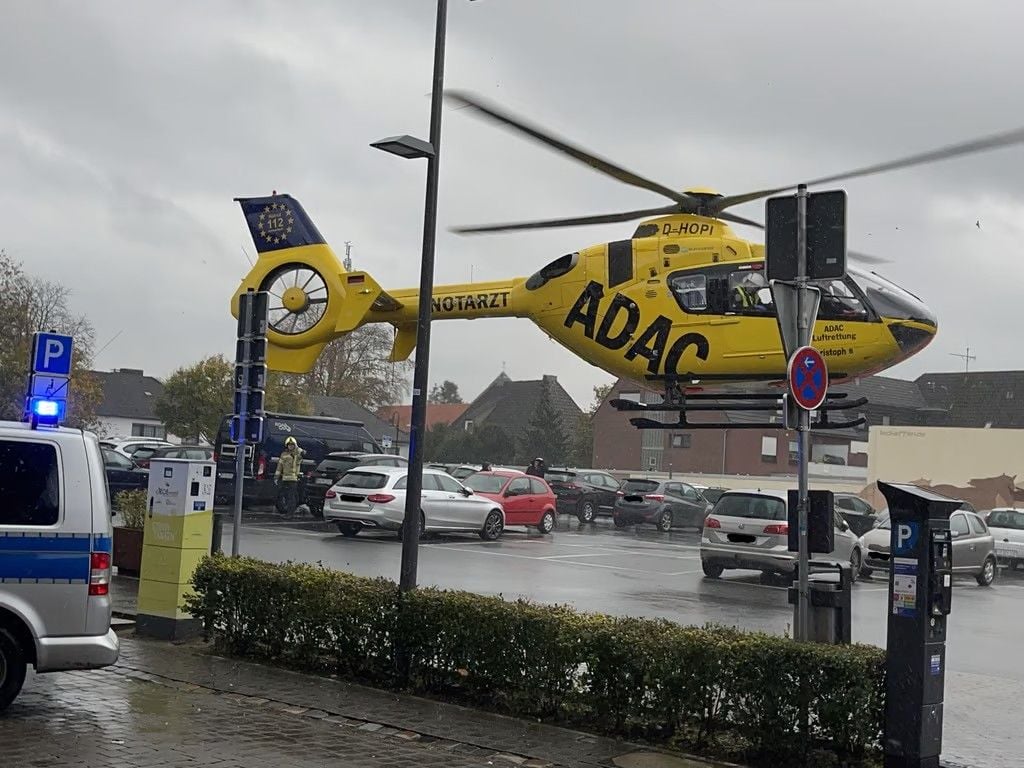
739,220
577,153
974,146
867,258
604,218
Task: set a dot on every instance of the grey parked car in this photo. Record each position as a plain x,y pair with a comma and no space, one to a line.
973,547
750,530
664,503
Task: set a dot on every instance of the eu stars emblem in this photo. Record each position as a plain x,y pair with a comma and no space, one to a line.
275,223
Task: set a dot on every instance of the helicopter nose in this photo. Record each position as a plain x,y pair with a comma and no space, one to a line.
914,337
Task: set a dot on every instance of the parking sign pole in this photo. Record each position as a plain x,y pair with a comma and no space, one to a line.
804,427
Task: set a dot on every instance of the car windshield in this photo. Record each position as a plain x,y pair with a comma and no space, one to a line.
750,505
639,486
1007,518
712,494
337,464
363,480
883,521
481,482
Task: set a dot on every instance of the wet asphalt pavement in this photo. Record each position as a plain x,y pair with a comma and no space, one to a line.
643,572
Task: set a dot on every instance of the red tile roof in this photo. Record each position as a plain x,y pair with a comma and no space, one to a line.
437,413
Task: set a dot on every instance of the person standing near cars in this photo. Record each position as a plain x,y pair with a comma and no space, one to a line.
289,465
536,468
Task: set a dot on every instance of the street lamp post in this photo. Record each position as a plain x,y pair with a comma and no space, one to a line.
410,147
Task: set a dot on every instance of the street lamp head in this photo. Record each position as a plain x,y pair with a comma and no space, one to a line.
405,146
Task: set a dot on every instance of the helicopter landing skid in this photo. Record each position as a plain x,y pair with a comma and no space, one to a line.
676,399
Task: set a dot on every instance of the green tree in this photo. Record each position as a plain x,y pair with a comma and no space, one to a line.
582,439
29,304
544,434
197,397
446,392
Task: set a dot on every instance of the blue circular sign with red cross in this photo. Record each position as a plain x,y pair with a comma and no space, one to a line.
808,378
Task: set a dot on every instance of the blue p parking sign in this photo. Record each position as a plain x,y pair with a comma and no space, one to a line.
51,354
905,538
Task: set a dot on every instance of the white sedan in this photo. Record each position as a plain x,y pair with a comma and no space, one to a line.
374,498
1007,527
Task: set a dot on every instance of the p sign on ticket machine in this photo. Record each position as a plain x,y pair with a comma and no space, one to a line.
808,378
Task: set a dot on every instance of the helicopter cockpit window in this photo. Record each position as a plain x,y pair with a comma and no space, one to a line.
839,302
556,268
749,293
690,291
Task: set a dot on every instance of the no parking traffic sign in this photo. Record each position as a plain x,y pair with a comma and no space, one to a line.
808,378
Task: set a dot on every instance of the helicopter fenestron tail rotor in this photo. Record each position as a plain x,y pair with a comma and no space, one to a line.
701,204
298,298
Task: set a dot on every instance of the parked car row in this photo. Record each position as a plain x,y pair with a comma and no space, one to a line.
373,497
130,471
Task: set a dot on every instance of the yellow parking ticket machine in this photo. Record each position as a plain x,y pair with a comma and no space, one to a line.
179,524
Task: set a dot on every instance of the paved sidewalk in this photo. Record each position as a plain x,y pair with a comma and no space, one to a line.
171,706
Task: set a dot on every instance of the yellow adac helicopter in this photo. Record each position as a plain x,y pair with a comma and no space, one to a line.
682,299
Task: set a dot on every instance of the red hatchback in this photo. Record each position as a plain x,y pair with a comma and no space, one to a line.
526,500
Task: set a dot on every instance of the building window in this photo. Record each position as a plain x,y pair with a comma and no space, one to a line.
149,430
467,425
681,441
769,449
793,451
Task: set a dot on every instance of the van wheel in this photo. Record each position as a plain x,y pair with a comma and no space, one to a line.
493,526
620,523
587,511
988,572
317,511
12,669
665,520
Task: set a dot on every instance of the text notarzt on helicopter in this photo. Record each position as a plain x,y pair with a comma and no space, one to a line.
651,343
470,301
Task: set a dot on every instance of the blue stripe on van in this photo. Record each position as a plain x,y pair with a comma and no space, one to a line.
102,544
44,565
43,544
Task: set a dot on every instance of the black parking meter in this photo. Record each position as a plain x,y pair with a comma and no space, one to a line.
920,590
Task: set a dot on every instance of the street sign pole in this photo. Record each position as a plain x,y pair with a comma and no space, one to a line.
804,325
245,321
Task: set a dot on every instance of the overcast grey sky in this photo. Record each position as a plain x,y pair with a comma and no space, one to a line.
127,128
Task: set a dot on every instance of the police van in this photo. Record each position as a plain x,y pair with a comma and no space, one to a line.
316,435
55,548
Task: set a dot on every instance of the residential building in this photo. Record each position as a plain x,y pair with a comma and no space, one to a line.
743,448
510,404
127,407
393,439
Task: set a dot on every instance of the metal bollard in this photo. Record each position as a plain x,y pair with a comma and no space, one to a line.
218,532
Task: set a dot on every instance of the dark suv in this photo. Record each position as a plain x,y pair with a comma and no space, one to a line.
585,493
334,466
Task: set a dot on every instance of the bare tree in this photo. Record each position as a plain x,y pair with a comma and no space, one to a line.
357,366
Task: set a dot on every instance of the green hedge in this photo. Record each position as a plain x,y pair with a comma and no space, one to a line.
711,690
